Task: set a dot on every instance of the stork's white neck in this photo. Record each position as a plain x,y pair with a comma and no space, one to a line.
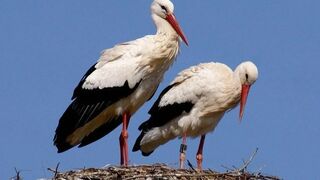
163,26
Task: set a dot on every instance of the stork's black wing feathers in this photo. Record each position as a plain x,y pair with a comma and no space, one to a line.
165,114
86,105
78,89
156,103
160,116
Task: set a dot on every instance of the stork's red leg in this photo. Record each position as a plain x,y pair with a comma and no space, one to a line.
121,149
199,153
183,149
124,140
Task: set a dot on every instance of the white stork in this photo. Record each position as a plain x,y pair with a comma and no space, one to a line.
123,79
193,104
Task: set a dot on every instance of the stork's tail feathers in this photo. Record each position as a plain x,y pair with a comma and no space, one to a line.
61,145
137,145
146,154
65,128
70,122
60,141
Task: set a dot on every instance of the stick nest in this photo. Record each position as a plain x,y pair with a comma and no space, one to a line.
157,172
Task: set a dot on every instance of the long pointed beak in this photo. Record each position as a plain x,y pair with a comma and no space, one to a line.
244,94
174,23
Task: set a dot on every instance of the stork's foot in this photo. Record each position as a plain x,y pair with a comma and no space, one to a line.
199,161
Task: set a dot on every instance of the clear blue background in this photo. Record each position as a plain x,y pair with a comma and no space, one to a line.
46,46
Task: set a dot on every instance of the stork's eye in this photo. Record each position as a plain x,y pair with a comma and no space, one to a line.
247,76
164,8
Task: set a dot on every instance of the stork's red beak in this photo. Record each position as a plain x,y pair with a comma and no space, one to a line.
174,23
244,94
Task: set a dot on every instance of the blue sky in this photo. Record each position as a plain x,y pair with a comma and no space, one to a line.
46,46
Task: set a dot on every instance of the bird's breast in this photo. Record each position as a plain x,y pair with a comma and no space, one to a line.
166,49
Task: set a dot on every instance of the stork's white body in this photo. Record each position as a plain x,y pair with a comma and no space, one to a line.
210,88
143,61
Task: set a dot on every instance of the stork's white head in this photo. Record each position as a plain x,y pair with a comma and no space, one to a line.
248,74
163,16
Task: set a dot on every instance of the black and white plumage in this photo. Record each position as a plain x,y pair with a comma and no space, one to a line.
122,80
195,102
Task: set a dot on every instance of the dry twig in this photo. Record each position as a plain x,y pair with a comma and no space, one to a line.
55,171
17,176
